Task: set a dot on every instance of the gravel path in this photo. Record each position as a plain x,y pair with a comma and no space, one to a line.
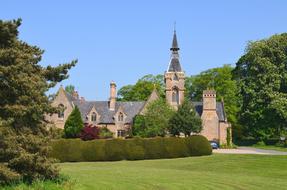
249,150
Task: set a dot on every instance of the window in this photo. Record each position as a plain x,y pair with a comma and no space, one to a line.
175,96
121,117
61,111
175,77
121,133
94,117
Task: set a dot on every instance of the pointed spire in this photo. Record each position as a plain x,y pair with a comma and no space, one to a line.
174,64
174,46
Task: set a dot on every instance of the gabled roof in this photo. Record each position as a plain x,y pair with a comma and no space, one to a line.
106,115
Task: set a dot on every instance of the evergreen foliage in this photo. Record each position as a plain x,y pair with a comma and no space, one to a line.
74,124
23,105
137,148
185,120
70,89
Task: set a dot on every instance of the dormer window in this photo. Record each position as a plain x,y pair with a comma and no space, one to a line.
121,117
94,117
61,111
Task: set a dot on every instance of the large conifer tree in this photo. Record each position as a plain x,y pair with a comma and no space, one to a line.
23,104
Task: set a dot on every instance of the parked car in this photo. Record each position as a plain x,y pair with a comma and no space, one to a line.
214,145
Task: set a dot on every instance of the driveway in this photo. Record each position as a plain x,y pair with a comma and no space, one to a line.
248,150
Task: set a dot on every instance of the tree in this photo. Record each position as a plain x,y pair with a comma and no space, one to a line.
156,118
70,89
74,124
261,74
142,89
221,80
185,120
138,126
23,105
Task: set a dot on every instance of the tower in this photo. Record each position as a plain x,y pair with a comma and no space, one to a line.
174,77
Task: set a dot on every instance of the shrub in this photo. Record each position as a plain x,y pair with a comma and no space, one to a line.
55,133
89,132
114,149
105,133
7,176
134,149
74,124
198,145
137,148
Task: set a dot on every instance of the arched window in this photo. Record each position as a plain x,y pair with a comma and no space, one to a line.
61,111
175,96
175,77
94,117
121,117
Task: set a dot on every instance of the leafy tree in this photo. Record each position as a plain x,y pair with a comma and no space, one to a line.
138,127
185,120
261,75
70,89
23,105
74,124
142,89
221,80
156,119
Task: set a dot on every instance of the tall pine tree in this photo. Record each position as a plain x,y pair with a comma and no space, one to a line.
23,105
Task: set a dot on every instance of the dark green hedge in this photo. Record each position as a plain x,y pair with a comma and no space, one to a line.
76,150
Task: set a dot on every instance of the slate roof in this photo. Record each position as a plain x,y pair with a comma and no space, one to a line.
130,109
174,46
174,65
219,110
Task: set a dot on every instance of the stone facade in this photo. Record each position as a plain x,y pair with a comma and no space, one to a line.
118,116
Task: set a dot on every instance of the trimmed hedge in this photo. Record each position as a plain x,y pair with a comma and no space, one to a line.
76,150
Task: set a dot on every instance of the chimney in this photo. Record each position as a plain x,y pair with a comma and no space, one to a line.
82,100
113,95
75,94
209,99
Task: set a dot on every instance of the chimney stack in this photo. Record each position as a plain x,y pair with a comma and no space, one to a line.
209,99
75,94
113,95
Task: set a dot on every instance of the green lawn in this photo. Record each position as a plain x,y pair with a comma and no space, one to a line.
218,171
271,147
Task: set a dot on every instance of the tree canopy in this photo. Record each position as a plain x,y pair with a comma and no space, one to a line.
142,89
261,75
155,120
185,120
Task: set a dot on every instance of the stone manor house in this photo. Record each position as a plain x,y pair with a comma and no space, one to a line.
118,116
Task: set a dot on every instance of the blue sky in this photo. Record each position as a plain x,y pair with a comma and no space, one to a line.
125,40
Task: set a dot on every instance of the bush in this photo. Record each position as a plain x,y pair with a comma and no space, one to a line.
74,124
134,149
129,149
89,132
105,133
7,176
198,145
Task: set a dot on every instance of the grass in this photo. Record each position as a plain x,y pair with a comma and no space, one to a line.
42,185
271,147
219,171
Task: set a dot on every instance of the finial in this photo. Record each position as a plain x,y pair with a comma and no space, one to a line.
174,26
